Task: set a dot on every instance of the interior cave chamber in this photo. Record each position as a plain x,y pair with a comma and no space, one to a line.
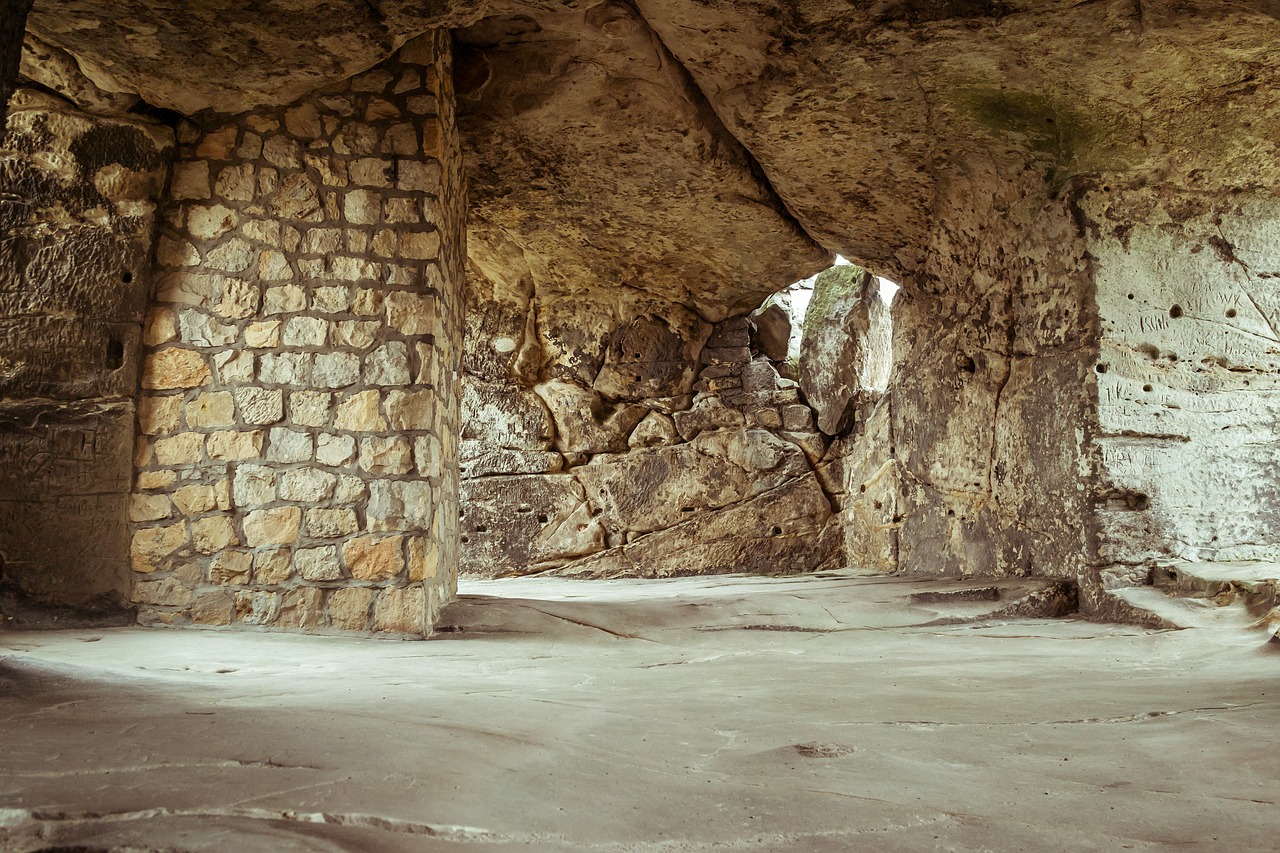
291,340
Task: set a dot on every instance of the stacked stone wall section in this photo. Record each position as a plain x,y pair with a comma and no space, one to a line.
298,405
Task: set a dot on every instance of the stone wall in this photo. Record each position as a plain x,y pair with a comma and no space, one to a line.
299,405
614,434
1188,288
78,197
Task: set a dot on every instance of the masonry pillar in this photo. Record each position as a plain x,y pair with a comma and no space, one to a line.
297,464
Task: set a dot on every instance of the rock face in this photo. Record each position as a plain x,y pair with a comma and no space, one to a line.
594,153
78,197
845,353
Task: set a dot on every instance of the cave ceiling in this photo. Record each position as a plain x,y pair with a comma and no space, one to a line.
711,151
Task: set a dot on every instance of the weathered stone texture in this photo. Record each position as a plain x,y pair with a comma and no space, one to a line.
315,277
78,196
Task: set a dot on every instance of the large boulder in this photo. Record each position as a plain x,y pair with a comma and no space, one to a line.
845,352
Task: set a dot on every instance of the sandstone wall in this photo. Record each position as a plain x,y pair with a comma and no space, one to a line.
298,410
618,434
1189,295
978,459
78,197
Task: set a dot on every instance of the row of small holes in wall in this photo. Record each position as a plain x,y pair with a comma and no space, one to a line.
1175,311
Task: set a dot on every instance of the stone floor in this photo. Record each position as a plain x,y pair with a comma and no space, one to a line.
815,713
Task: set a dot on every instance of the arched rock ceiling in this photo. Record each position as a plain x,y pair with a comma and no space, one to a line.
642,145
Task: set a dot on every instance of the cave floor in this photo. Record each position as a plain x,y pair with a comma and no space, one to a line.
813,713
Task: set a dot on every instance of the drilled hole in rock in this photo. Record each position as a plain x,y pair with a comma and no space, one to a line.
1100,367
1175,312
542,519
968,365
1130,296
1147,388
115,354
127,277
480,528
1231,312
777,531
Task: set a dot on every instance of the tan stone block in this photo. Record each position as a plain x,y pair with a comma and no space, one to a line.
374,558
331,300
421,245
357,241
349,608
400,611
158,415
428,362
149,507
359,334
285,299
190,180
351,489
286,445
172,251
386,455
253,485
318,564
347,268
387,365
234,445
211,535
427,455
235,183
212,608
189,570
151,545
260,405
232,366
195,499
411,313
368,303
156,479
419,176
411,410
257,607
188,288
306,485
263,334
231,567
234,255
182,449
326,523
355,138
362,207
335,450
161,327
272,567
219,144
168,592
283,152
274,266
222,494
285,368
424,558
305,332
385,243
302,607
431,139
303,121
322,241
297,197
172,367
276,526
239,298
199,329
332,170
262,122
251,147
211,222
263,231
310,408
401,140
371,172
211,409
360,413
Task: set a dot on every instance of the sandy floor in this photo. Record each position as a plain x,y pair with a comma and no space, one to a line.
695,714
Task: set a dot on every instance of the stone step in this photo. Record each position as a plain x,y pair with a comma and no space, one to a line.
1196,595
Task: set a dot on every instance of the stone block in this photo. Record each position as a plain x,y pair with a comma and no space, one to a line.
386,455
374,558
360,413
149,507
213,409
310,408
302,607
335,450
195,499
276,526
284,299
348,608
400,610
387,365
306,332
233,367
336,369
306,485
286,445
326,523
424,558
231,568
214,607
264,334
286,368
175,368
257,607
185,448
167,592
273,567
212,534
318,564
151,545
260,405
410,313
158,415
235,445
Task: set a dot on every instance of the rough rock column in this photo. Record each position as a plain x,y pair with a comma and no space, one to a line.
297,465
78,196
